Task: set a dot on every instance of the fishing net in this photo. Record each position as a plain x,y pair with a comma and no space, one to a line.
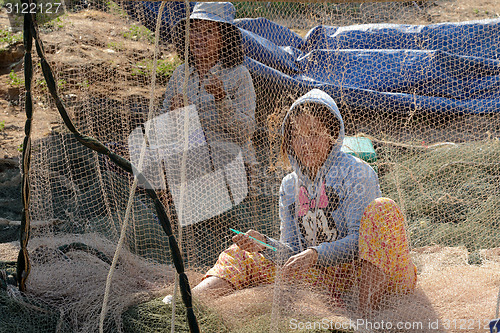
419,99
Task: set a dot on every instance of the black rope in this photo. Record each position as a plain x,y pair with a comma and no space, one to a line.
97,146
23,263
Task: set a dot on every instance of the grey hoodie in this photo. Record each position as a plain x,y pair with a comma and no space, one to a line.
324,213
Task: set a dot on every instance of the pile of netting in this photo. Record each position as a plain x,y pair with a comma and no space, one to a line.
144,175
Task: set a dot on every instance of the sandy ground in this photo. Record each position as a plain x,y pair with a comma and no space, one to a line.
451,296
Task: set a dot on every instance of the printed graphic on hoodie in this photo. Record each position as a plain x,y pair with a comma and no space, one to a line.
315,219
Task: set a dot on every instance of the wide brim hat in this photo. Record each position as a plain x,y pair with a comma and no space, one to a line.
222,12
214,11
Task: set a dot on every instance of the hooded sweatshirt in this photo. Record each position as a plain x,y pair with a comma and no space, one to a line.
324,213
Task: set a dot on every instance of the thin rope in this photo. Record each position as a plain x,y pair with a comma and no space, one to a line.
184,154
104,308
130,202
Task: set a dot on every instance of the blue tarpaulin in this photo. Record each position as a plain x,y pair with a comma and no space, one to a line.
147,12
439,68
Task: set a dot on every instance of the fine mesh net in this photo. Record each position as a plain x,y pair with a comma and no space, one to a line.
377,194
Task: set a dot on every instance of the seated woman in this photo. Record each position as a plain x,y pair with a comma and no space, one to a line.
335,226
220,86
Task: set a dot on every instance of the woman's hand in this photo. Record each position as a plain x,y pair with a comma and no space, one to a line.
300,263
215,87
247,244
177,102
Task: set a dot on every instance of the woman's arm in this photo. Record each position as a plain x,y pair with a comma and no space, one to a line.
289,243
174,97
171,90
237,112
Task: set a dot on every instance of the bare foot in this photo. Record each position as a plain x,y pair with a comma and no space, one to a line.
211,287
372,288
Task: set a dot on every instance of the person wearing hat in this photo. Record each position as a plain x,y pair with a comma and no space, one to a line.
222,89
218,84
